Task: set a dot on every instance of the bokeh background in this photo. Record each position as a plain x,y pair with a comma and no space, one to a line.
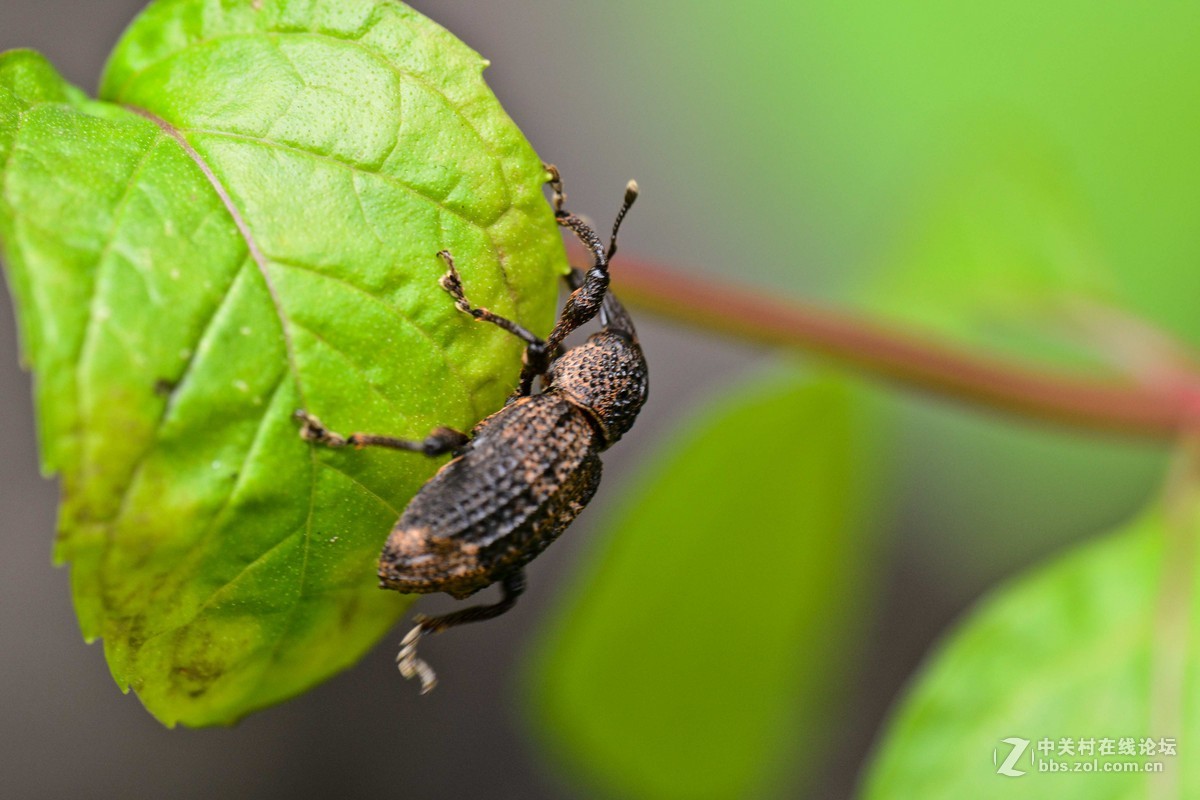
931,165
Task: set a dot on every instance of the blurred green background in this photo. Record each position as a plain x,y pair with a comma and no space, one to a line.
980,171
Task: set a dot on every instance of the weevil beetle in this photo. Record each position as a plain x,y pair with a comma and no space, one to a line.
523,474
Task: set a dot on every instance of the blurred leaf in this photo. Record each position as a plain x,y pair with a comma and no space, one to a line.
1003,259
1000,256
983,497
845,115
1097,644
968,163
725,606
227,564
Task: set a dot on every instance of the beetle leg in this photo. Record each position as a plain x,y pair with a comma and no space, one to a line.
534,361
452,283
439,442
556,186
410,666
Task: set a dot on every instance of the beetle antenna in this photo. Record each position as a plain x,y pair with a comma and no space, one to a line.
631,194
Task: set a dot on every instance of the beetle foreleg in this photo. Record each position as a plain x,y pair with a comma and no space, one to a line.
411,667
452,283
534,361
556,186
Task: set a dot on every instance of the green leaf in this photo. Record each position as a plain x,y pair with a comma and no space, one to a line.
246,223
720,613
1097,644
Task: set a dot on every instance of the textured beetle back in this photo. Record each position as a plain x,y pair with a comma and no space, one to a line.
529,471
606,377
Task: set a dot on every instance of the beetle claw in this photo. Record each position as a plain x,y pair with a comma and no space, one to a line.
412,667
313,430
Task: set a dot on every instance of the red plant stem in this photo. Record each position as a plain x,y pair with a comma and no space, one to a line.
1154,411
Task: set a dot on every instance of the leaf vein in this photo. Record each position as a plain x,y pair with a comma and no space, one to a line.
213,525
243,228
380,58
168,406
291,616
336,161
83,355
374,387
451,367
394,511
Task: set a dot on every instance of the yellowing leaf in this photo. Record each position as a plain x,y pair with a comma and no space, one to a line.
246,223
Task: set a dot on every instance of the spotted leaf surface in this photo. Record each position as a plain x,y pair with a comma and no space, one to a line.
243,224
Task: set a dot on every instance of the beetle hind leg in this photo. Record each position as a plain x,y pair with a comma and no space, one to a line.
413,667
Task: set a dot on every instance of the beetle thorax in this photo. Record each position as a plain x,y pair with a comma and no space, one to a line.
606,376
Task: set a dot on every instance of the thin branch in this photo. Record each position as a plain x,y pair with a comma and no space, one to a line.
1114,406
